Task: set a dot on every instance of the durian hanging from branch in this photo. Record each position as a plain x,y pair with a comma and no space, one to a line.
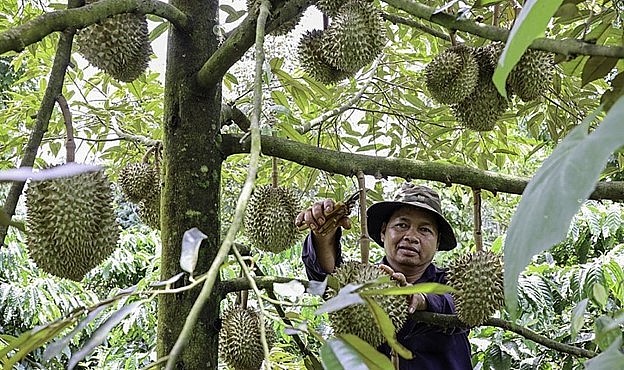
118,45
71,224
353,39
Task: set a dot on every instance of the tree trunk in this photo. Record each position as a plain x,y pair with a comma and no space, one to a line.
192,165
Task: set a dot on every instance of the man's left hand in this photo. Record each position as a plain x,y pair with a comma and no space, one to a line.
416,302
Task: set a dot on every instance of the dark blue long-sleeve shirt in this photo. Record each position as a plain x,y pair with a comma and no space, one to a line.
434,348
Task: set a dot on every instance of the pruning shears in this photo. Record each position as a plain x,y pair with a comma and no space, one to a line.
341,209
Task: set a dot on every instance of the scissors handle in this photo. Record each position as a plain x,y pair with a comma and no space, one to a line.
341,209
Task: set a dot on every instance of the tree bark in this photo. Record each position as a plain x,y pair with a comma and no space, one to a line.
192,166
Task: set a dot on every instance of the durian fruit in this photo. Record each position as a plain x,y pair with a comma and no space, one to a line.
357,319
149,211
331,7
355,36
240,346
270,218
71,223
310,53
118,45
480,110
253,6
478,280
452,75
139,181
532,75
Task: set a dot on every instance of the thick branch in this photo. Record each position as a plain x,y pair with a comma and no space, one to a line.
17,38
54,89
451,321
264,282
393,18
348,164
235,46
565,47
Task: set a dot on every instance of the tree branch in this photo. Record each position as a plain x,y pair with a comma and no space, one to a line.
242,39
451,321
263,282
54,89
396,19
565,47
17,38
348,164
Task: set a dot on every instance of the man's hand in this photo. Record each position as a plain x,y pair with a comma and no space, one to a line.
416,302
322,219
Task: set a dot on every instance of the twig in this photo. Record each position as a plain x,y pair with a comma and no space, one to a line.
241,203
70,143
478,235
247,273
415,24
364,237
451,321
346,106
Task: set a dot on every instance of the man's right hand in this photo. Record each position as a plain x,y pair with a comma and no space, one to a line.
316,218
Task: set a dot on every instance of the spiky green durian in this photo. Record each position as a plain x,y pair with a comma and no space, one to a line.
480,110
139,181
355,37
149,211
310,53
331,7
71,223
533,74
253,6
118,45
270,218
239,339
478,281
452,75
357,319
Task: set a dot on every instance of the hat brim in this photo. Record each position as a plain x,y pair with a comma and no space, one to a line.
380,212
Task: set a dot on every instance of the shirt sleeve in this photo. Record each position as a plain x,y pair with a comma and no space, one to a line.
440,303
310,260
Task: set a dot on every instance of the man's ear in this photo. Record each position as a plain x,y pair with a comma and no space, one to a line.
382,231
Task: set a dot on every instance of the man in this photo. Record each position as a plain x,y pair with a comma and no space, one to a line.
411,228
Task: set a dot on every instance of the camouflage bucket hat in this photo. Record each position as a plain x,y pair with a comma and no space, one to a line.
416,196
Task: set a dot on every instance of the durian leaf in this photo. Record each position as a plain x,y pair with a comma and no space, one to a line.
600,295
338,355
578,318
607,331
100,335
612,358
433,288
373,358
556,192
387,328
158,30
347,296
529,25
317,287
597,67
31,340
191,241
290,289
57,346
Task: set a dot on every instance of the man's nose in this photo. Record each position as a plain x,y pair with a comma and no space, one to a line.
410,235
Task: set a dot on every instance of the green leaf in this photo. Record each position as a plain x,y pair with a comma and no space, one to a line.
529,25
597,67
600,295
578,318
387,328
338,355
100,335
158,30
53,349
556,192
612,358
373,358
346,297
434,288
481,3
607,331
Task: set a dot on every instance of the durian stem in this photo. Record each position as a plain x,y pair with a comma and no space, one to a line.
496,15
478,234
364,237
274,172
70,144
